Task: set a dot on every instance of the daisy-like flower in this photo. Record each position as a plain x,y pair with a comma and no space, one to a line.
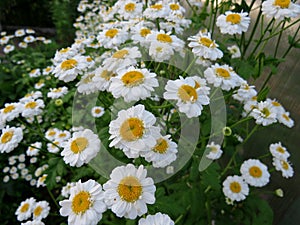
25,209
233,23
33,149
235,188
55,93
39,84
130,9
133,84
255,173
222,76
51,133
157,219
113,37
54,147
81,148
47,70
34,222
163,153
122,59
190,93
160,52
62,135
69,69
278,151
202,45
10,111
102,78
64,54
215,151
35,73
40,210
284,166
85,204
23,44
33,108
280,9
41,181
29,39
86,85
128,191
140,31
157,10
264,114
245,92
31,96
8,48
284,118
20,33
10,138
66,190
133,131
97,111
234,51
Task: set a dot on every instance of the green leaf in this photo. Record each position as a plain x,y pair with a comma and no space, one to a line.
263,94
210,177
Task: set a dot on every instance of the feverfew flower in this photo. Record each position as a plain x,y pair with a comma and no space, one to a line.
81,148
222,76
85,204
34,222
133,131
278,151
157,10
86,85
163,153
133,84
233,23
284,166
97,111
157,219
33,108
62,135
235,188
55,93
255,173
245,92
234,51
10,138
40,210
25,209
66,190
113,37
41,181
284,118
130,9
128,191
190,94
35,73
215,151
280,9
264,114
33,149
102,78
8,48
203,46
10,111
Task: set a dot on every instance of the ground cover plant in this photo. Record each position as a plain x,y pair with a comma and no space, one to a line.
144,118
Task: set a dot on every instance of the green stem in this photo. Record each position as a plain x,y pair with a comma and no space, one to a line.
240,121
215,18
189,67
52,197
278,40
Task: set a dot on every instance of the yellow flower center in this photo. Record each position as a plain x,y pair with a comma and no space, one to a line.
282,3
64,50
174,7
111,33
233,18
57,90
81,202
129,7
222,73
107,75
7,136
133,78
68,64
43,178
24,207
159,49
144,32
89,59
161,146
284,165
255,171
33,71
9,108
235,187
280,150
30,105
120,54
156,6
266,112
164,38
88,79
132,129
206,42
79,144
277,104
187,93
98,111
48,69
37,211
51,133
130,189
213,149
286,117
62,135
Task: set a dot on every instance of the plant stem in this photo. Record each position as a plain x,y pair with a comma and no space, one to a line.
52,197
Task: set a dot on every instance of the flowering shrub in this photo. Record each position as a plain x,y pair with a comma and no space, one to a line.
144,118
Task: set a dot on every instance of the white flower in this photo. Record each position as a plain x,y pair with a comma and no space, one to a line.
85,204
233,23
81,148
51,133
163,153
280,9
113,37
41,210
133,84
34,222
255,173
35,73
264,114
19,32
202,45
25,209
102,78
284,166
41,181
54,147
8,48
140,31
31,96
66,190
234,51
157,10
245,92
97,111
64,54
278,151
29,39
160,51
86,85
190,93
128,191
33,149
157,219
133,131
33,108
284,118
10,138
130,9
48,70
235,188
55,93
215,151
10,111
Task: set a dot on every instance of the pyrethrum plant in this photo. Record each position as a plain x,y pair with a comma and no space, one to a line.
145,117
